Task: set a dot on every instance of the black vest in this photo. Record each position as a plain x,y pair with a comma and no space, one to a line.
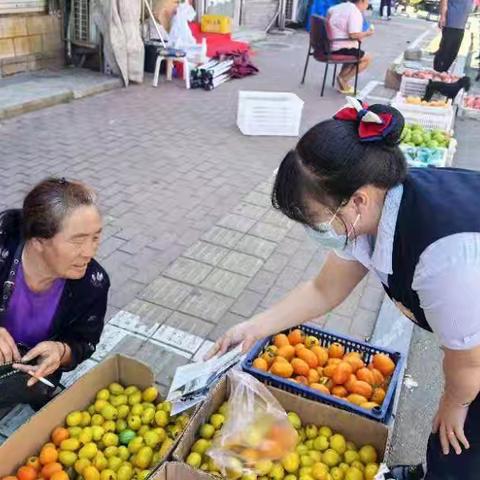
436,203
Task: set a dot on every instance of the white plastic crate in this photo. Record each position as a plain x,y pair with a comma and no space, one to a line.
269,113
432,118
413,86
467,112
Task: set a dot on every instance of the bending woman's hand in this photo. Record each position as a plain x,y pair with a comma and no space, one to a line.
449,423
8,348
245,333
49,355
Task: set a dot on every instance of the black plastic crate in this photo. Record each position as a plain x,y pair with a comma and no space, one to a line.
380,414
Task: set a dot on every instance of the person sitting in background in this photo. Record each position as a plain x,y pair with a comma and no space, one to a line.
345,21
54,294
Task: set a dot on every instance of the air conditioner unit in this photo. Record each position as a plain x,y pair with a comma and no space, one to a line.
291,9
84,31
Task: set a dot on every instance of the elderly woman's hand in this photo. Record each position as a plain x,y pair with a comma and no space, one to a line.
50,356
8,349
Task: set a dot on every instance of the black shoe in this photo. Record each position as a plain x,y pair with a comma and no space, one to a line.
406,472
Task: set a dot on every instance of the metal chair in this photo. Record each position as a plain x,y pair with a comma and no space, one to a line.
320,49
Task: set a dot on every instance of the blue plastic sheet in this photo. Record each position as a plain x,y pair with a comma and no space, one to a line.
320,7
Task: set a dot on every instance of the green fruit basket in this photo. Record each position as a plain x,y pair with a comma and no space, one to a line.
425,147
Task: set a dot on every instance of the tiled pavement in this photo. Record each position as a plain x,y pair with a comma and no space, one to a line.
191,242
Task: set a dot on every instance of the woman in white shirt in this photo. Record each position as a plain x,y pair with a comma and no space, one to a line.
418,230
345,22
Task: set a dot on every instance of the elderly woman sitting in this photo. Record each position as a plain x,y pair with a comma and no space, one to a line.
54,294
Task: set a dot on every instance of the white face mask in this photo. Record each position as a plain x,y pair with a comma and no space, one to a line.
328,237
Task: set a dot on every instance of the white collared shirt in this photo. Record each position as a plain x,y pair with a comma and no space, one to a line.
446,279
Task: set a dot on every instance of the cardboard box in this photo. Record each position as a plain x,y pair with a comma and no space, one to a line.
179,471
355,428
29,438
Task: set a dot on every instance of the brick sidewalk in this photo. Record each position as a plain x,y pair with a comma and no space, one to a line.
191,242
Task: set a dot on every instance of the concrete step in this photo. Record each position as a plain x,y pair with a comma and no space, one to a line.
25,93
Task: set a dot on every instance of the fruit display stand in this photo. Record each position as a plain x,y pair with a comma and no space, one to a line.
434,118
354,428
425,147
442,157
414,82
467,111
31,437
379,413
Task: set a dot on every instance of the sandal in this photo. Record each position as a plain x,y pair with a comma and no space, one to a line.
342,88
346,91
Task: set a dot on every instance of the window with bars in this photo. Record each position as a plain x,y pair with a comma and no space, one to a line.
81,20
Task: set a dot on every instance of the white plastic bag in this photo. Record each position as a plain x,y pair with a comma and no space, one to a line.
180,34
257,428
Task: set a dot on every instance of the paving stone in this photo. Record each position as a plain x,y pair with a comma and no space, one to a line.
167,293
372,298
257,198
251,211
150,272
206,253
164,240
274,295
277,218
247,303
184,332
269,232
123,294
227,283
229,320
237,222
192,325
298,232
289,246
265,187
223,237
141,317
111,312
207,305
262,282
363,324
241,263
109,245
69,378
163,360
276,263
188,271
256,246
137,243
338,323
301,259
202,351
111,337
289,278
